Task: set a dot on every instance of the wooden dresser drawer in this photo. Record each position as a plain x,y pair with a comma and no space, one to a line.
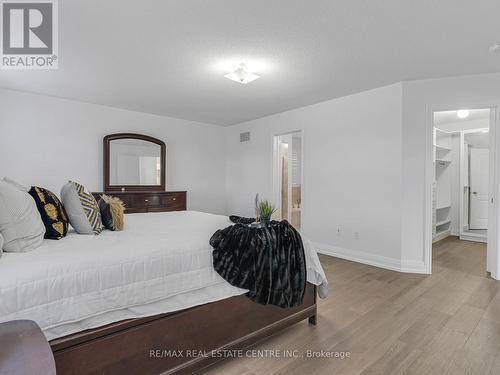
173,199
135,210
145,200
127,200
140,202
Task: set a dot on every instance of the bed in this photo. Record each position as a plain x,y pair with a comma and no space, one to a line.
110,303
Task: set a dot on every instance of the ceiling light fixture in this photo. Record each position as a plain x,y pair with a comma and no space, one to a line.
495,48
242,75
463,113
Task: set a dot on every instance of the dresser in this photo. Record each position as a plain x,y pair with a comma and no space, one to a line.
150,201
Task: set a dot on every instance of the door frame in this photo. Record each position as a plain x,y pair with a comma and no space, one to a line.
277,174
493,258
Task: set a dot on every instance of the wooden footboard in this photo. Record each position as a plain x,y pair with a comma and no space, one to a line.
177,343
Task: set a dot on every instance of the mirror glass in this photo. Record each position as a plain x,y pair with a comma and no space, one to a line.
134,162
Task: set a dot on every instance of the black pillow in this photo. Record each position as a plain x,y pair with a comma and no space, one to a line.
106,217
112,209
52,212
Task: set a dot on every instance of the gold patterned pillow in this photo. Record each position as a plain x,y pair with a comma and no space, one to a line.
52,212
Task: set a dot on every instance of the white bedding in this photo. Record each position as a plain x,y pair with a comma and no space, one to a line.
161,262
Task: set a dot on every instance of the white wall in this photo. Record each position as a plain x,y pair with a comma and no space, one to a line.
364,165
419,98
46,141
352,171
478,140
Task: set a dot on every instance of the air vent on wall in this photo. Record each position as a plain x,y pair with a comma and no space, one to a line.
245,137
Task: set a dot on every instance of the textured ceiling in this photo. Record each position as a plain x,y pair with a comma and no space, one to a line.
169,57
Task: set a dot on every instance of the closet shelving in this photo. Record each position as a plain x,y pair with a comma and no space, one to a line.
443,222
442,185
442,207
442,162
442,149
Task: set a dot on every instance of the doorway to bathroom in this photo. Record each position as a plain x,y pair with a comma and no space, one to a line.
288,177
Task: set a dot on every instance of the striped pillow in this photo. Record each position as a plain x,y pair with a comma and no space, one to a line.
82,209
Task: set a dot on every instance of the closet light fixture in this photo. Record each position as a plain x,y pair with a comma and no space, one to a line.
463,113
242,75
495,48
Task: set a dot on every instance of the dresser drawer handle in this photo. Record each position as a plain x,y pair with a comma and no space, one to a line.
174,199
146,200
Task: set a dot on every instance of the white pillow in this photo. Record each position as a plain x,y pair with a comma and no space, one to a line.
16,184
21,226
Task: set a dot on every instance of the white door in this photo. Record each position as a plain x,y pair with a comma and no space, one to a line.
479,162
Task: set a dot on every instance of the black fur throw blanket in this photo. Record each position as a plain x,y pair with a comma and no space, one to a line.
268,261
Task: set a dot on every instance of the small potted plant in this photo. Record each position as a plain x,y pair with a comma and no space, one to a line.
266,209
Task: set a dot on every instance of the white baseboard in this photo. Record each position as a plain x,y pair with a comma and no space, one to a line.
441,236
474,238
413,266
370,259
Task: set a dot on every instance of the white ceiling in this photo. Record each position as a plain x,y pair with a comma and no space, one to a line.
168,57
446,117
450,122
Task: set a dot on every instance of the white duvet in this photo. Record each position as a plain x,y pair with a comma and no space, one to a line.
160,262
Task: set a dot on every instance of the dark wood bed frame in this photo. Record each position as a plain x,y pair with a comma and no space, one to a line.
183,342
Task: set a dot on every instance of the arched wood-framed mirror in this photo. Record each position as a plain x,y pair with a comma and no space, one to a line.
134,162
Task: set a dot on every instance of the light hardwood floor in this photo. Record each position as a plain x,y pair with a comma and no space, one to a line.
393,323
